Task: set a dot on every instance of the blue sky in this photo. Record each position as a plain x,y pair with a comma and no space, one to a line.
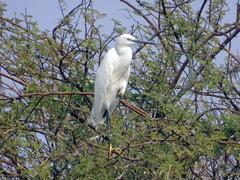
47,14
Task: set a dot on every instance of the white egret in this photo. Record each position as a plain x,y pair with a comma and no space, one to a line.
112,79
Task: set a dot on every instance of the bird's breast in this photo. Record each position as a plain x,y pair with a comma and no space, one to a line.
122,67
122,62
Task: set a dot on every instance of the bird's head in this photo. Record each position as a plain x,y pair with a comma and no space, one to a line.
128,39
125,40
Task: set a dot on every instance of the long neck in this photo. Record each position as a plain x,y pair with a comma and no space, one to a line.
123,50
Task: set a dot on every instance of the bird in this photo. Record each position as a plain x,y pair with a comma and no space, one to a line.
111,83
112,79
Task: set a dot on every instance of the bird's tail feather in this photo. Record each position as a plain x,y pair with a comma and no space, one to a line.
98,118
95,119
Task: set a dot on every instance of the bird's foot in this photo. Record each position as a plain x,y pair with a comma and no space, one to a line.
114,151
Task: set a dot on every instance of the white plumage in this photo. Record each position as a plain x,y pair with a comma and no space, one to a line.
111,79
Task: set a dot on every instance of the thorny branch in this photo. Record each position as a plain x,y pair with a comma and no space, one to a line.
170,66
43,94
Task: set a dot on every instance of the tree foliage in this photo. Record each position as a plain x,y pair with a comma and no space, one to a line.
178,120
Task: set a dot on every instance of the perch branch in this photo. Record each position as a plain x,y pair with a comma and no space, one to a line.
42,94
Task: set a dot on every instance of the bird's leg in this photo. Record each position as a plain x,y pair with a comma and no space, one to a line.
108,121
109,133
120,93
111,149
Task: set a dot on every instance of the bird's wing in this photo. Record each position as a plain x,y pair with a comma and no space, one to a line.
103,79
124,82
100,90
120,90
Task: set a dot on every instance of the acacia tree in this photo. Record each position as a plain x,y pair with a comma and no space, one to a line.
178,120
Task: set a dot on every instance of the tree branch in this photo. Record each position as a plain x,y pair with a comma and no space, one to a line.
43,94
13,78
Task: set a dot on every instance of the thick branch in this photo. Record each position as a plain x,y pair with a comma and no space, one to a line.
42,94
15,79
